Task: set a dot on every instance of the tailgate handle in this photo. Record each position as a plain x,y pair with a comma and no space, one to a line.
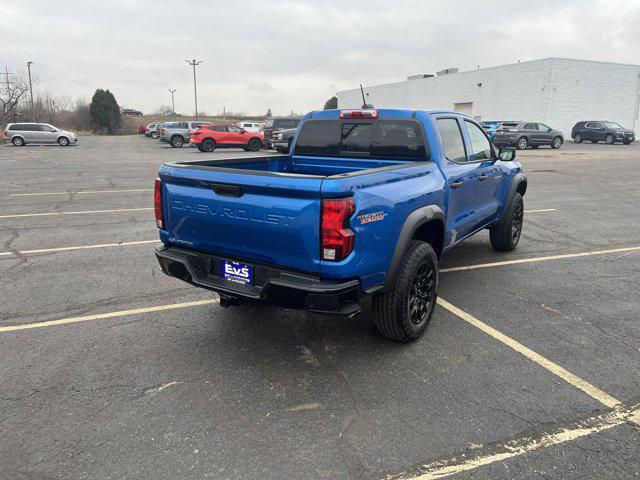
227,190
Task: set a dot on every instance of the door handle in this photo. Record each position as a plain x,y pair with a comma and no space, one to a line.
482,178
456,184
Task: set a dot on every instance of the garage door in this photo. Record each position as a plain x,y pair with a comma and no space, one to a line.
466,108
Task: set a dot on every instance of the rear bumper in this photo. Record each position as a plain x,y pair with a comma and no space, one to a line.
271,284
499,140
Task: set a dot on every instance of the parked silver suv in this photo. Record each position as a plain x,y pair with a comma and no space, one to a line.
22,133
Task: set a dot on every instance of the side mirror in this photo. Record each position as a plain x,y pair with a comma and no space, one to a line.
242,131
507,154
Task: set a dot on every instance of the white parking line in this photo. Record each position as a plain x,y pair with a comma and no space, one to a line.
540,210
78,247
586,387
539,259
83,212
101,316
81,192
502,451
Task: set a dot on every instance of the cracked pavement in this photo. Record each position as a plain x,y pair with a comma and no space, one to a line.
258,392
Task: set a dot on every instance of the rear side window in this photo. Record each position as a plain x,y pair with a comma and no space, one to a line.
530,126
284,123
17,126
218,128
452,139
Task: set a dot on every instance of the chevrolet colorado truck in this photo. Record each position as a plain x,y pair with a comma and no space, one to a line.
365,204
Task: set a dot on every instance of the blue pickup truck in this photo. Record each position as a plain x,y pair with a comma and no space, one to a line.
365,203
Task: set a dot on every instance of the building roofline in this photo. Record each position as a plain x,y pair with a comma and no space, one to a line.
545,59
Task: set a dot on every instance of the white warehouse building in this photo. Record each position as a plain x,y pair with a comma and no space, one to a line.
556,91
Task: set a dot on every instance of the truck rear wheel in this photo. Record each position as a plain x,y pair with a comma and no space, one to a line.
504,236
404,313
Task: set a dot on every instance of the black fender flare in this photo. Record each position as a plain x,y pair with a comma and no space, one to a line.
518,179
411,224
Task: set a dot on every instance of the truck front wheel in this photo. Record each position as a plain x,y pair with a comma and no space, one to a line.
505,234
404,313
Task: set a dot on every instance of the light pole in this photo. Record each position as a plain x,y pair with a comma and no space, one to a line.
193,63
173,105
33,113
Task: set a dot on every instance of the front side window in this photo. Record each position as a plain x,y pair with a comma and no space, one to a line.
613,125
543,128
480,145
452,139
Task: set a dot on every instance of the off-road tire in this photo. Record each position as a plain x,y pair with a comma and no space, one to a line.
392,311
176,141
522,143
578,138
18,141
504,235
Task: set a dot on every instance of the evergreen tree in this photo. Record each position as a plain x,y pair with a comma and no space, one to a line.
104,112
331,104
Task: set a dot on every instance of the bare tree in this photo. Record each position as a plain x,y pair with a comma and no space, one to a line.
14,102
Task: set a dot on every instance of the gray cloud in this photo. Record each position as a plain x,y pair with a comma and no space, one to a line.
293,55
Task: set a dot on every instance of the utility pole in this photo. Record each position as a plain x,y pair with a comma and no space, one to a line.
173,105
6,75
193,63
33,113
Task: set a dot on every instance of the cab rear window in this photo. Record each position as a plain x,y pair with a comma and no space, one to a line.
375,138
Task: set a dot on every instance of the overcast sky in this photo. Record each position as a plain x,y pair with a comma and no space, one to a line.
292,55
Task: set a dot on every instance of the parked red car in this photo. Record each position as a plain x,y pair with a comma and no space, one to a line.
213,136
142,129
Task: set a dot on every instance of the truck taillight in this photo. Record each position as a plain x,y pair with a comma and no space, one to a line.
157,203
336,236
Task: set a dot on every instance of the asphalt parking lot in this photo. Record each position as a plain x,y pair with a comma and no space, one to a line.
529,369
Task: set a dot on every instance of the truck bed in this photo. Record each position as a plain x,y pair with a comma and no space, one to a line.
286,165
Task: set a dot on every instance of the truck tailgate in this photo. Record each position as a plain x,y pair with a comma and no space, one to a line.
244,216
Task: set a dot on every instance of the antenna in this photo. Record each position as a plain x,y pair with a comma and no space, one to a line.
364,100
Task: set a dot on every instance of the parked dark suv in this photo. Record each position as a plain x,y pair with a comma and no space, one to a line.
273,125
528,134
601,131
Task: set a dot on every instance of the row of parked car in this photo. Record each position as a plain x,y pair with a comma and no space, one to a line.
533,134
207,136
